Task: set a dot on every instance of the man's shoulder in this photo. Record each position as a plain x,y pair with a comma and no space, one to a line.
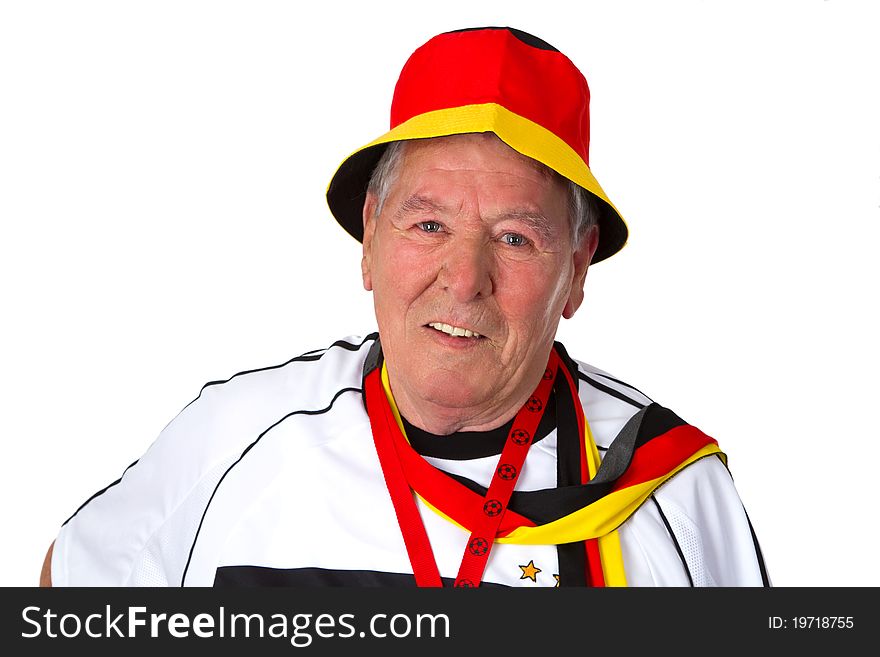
600,382
608,401
227,415
304,380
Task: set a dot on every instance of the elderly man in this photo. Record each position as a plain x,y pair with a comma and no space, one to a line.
460,445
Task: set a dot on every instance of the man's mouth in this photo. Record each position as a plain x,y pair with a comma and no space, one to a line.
456,331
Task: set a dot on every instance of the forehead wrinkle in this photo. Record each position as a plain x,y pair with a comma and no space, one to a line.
418,204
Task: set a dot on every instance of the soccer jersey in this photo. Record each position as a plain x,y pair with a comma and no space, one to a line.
272,478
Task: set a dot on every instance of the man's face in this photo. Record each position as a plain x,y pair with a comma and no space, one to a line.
472,236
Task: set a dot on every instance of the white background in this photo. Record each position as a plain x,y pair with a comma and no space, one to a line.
162,176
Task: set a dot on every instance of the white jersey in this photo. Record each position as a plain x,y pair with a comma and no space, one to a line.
272,478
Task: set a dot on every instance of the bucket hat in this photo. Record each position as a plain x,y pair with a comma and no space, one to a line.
488,79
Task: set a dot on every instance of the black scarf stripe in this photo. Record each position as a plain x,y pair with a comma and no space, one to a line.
572,556
547,505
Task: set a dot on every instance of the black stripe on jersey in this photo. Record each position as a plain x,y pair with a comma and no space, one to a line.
310,355
465,445
306,357
674,540
242,576
764,577
247,449
623,383
608,390
100,492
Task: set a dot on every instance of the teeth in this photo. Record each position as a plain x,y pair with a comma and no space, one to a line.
454,330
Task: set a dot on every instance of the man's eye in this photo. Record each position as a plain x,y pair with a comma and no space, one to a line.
514,239
429,226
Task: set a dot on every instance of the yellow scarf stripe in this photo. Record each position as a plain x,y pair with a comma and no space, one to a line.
593,459
612,559
610,552
602,516
386,385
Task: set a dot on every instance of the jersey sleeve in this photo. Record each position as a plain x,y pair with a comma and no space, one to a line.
706,518
141,530
138,530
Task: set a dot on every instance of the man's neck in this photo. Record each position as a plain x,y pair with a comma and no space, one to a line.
443,420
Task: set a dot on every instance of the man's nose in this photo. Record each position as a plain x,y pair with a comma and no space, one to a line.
468,270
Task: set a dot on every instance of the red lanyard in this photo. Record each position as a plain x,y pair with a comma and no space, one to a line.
487,519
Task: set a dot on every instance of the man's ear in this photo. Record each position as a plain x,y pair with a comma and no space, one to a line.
369,229
581,259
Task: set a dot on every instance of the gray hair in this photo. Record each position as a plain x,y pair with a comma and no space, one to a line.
583,207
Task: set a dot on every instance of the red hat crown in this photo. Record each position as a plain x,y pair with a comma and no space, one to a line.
497,65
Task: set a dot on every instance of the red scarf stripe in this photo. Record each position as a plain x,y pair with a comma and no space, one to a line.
391,445
415,537
579,412
445,494
660,455
500,489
